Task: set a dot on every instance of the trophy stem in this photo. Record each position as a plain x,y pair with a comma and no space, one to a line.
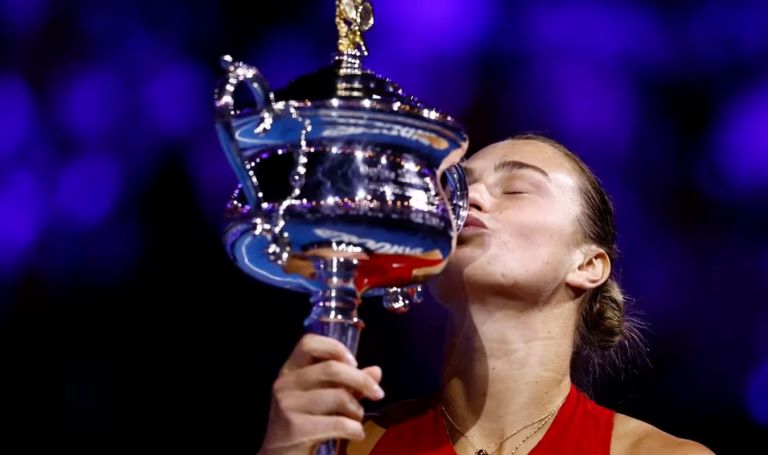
334,314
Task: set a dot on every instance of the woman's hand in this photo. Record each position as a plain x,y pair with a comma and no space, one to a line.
316,397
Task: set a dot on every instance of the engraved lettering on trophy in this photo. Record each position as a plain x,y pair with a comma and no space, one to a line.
373,245
404,132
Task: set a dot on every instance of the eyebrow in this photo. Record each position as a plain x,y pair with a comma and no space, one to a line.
503,166
514,165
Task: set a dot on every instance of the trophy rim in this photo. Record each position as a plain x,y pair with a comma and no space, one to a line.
431,116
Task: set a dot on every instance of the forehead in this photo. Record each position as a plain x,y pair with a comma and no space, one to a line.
528,151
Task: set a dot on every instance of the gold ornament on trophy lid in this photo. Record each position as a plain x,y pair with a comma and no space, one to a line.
353,17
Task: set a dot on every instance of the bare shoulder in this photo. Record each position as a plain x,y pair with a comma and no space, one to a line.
632,436
375,425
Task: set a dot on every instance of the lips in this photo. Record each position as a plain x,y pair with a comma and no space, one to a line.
473,222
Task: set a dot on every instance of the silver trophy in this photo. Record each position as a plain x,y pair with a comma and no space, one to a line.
348,187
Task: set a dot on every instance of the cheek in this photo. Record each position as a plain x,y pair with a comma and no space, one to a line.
533,228
538,239
525,248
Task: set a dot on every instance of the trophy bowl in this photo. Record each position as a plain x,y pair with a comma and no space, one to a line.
348,187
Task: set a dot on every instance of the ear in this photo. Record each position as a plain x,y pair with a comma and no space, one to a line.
592,267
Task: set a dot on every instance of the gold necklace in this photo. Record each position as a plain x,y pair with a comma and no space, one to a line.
493,447
535,430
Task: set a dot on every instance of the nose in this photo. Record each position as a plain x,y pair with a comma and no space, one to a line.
478,197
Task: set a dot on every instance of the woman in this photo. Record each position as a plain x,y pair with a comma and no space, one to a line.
530,293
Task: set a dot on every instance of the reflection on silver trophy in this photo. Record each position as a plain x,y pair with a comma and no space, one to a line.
348,187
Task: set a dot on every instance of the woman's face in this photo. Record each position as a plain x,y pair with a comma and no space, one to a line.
522,236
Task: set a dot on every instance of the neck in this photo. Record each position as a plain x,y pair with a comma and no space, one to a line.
507,364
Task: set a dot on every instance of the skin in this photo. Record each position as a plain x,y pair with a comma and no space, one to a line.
513,289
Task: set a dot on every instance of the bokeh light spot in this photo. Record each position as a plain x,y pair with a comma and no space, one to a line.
177,98
87,190
589,107
581,31
721,33
742,141
92,103
16,107
418,29
22,205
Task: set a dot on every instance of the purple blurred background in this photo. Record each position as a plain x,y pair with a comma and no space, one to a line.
125,328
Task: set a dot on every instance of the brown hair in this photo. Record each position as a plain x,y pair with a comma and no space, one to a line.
608,336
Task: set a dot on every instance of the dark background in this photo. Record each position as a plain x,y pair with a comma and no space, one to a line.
123,325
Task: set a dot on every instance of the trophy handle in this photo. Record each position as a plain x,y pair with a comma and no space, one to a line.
237,73
457,183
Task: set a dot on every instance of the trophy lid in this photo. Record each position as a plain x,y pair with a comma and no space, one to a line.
336,81
346,80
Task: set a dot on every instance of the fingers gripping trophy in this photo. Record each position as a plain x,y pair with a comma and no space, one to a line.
348,187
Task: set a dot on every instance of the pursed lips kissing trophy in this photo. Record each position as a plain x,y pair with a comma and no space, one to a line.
348,187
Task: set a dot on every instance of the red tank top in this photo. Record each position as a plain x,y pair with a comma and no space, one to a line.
580,427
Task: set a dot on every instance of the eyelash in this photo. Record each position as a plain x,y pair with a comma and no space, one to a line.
513,192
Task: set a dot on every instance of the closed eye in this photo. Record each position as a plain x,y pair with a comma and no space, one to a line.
513,192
